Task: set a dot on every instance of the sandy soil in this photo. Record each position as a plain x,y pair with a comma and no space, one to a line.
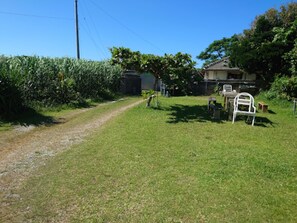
29,147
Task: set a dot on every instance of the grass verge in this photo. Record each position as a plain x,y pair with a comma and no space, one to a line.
40,115
172,164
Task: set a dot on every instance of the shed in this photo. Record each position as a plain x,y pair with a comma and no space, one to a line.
130,83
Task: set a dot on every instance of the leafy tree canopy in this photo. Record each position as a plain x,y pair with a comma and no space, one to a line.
267,49
217,50
126,58
177,71
180,73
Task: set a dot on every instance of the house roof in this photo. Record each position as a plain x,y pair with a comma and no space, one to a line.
223,64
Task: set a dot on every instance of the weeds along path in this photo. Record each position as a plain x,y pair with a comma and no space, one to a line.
26,148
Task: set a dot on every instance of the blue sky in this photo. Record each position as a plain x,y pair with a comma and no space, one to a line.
47,28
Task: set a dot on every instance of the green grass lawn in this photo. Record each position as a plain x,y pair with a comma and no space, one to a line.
172,164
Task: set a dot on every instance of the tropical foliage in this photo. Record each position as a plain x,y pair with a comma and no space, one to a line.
177,71
181,74
283,87
265,48
268,48
10,97
126,58
217,50
28,80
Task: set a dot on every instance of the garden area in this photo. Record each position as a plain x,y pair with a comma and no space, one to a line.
73,148
171,163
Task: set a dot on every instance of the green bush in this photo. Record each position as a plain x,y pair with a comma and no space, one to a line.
11,101
54,81
10,97
283,87
147,93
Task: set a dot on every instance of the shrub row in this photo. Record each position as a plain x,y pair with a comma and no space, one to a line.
283,87
49,81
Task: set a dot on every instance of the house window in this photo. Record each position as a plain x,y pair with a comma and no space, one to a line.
234,76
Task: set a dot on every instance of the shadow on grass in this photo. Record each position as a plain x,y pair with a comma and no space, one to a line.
263,122
259,121
31,117
271,112
199,113
185,113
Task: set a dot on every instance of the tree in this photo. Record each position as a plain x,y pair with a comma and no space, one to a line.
155,65
217,50
126,58
265,48
180,73
255,55
288,14
177,71
288,36
292,58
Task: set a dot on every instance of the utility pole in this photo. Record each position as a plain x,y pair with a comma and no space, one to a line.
76,30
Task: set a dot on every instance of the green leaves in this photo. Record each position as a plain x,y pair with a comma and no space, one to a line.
267,49
217,49
283,88
127,59
177,71
180,73
25,80
10,97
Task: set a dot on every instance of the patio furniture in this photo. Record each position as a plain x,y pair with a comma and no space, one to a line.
230,107
211,100
244,105
227,88
214,108
217,111
229,96
294,106
263,106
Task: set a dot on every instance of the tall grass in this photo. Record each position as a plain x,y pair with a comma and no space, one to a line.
25,80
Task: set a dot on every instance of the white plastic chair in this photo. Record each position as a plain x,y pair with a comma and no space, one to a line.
227,88
244,104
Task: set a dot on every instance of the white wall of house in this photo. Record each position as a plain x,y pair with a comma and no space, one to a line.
147,81
216,75
223,75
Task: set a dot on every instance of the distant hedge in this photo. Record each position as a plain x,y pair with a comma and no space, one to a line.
283,87
49,81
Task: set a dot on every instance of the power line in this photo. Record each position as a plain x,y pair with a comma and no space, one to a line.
126,27
100,47
35,16
87,30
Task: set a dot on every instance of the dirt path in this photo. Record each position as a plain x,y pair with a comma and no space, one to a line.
29,147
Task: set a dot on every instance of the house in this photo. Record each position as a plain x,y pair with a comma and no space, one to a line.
130,83
222,71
